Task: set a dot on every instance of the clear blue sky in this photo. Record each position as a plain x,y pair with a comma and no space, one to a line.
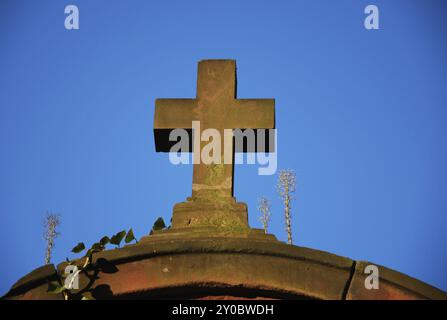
361,117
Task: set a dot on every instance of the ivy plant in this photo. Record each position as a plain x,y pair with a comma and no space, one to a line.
58,287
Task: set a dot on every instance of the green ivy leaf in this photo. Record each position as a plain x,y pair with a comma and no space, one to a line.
104,240
159,224
80,246
97,246
117,238
130,236
55,287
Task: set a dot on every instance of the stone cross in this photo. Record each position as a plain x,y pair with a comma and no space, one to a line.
216,107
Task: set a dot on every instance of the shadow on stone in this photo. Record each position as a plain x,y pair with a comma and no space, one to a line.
104,265
102,292
213,292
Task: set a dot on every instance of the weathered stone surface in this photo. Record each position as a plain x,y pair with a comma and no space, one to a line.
208,232
34,285
224,214
393,285
215,107
305,278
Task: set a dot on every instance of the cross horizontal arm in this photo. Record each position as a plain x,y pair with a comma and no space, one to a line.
174,113
254,114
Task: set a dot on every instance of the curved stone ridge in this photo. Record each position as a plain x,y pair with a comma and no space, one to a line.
205,264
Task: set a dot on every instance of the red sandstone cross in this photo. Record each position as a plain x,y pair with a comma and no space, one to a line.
215,106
